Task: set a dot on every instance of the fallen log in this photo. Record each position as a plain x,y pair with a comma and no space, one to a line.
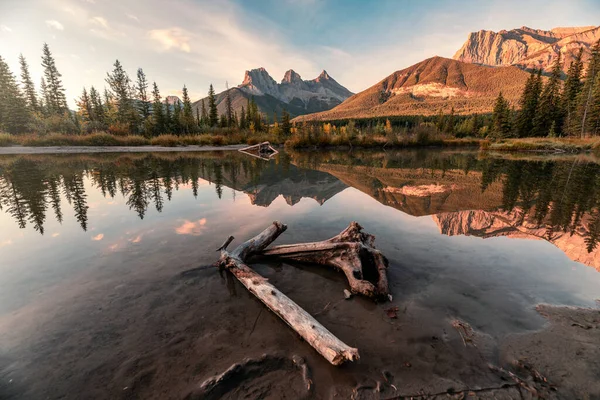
352,251
329,346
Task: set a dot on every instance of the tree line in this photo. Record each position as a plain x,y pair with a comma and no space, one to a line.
124,107
555,108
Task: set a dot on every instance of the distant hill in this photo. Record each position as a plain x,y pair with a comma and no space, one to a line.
528,48
297,96
426,87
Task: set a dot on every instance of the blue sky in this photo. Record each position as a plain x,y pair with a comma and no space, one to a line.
197,42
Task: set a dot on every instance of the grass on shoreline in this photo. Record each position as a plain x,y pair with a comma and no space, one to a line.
548,145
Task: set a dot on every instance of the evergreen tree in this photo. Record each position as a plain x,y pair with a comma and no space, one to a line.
119,83
97,107
14,114
158,116
85,107
213,115
176,122
168,118
228,107
43,97
548,109
243,124
286,125
528,104
187,118
28,87
204,117
56,101
594,110
143,105
571,91
198,122
449,128
223,121
581,125
501,118
109,107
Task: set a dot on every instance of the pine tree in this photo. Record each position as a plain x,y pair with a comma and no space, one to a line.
213,115
28,86
43,97
548,109
501,118
204,117
198,122
97,106
528,104
286,126
109,107
581,125
14,114
119,83
85,107
228,106
143,105
243,119
168,118
187,117
158,116
571,91
594,109
176,122
56,101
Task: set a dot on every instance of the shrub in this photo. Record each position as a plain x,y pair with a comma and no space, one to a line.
6,140
166,141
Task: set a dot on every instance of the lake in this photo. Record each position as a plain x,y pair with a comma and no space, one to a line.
104,291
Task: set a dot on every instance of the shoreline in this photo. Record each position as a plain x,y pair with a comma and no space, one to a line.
113,149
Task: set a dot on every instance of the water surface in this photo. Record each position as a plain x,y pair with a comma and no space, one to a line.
94,249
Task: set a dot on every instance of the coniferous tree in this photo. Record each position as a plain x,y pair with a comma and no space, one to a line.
243,124
176,122
56,101
85,107
581,125
142,95
528,104
43,97
158,116
109,107
501,118
223,121
14,115
594,109
198,122
168,118
187,116
204,117
28,86
97,106
213,115
119,83
548,109
228,107
571,91
286,125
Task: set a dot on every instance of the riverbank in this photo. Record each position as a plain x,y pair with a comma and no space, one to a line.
547,145
113,149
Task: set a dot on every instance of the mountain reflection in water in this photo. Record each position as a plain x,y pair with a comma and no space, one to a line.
557,201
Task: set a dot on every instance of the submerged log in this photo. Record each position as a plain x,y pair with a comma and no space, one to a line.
329,346
352,251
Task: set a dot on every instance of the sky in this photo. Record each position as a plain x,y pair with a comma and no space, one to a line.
198,42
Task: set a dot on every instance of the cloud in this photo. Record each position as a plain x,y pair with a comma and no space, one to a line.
191,228
98,237
55,234
6,243
99,21
54,24
171,38
4,28
133,17
137,239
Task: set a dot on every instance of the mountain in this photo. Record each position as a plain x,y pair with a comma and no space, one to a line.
297,96
426,87
517,224
527,48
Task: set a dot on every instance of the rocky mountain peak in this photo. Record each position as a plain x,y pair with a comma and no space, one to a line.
291,76
323,76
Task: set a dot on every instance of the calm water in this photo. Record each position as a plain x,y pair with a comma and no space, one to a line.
92,250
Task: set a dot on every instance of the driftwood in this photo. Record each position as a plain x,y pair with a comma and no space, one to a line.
329,346
352,252
263,150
